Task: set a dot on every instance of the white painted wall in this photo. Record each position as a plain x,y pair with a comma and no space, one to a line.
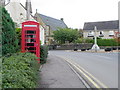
18,14
42,35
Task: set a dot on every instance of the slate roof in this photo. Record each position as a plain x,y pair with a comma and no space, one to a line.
52,22
103,25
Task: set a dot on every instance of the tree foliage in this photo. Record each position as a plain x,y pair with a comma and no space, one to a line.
9,38
66,34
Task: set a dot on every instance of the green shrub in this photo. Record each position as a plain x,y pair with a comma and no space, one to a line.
9,38
84,40
43,54
20,71
107,42
100,42
18,32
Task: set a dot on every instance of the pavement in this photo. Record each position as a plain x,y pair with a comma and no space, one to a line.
56,73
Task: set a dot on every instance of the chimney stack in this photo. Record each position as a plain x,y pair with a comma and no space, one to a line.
62,19
28,8
2,2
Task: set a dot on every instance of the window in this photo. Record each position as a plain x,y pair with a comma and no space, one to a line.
101,34
111,33
91,34
30,32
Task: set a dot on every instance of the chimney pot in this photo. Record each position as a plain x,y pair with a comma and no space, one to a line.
62,19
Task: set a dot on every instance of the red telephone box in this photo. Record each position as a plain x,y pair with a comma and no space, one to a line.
30,41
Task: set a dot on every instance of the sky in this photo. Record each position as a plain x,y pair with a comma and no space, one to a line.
77,12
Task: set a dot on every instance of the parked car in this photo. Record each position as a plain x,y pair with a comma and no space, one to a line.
108,49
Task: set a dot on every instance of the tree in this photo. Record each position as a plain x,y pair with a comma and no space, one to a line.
66,34
9,37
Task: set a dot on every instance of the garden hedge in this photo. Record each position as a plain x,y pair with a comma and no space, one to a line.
9,37
43,54
107,42
100,42
19,70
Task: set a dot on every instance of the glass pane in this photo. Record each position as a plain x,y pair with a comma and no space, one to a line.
30,48
30,36
29,44
30,32
30,40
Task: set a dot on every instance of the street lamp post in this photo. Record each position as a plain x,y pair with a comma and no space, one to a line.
95,47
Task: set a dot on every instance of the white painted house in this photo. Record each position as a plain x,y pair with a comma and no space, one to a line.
105,29
18,13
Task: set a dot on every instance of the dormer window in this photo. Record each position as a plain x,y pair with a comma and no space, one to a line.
91,34
101,34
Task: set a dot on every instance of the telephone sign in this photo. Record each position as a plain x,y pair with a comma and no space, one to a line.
30,38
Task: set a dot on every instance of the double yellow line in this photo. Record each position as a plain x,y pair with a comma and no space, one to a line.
89,76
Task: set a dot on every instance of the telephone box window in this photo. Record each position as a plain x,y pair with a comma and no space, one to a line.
29,44
30,32
30,48
30,36
30,40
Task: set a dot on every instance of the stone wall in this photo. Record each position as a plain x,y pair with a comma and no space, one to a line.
70,46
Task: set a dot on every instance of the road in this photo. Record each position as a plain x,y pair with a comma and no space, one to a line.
103,66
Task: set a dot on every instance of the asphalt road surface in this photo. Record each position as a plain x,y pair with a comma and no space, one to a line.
103,66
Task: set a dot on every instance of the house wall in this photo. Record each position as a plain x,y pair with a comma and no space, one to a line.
105,33
42,38
44,26
18,14
48,32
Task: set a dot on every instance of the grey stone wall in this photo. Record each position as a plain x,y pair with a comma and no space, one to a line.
70,46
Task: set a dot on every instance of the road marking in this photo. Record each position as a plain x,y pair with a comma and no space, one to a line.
83,81
86,76
83,71
104,86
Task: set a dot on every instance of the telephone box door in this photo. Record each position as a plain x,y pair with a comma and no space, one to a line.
30,41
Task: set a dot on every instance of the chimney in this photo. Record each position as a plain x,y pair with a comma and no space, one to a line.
2,2
28,9
62,19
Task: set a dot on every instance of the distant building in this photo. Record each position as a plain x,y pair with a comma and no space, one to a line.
2,2
105,29
18,13
50,24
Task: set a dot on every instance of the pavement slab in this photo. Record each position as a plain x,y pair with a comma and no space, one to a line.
57,74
